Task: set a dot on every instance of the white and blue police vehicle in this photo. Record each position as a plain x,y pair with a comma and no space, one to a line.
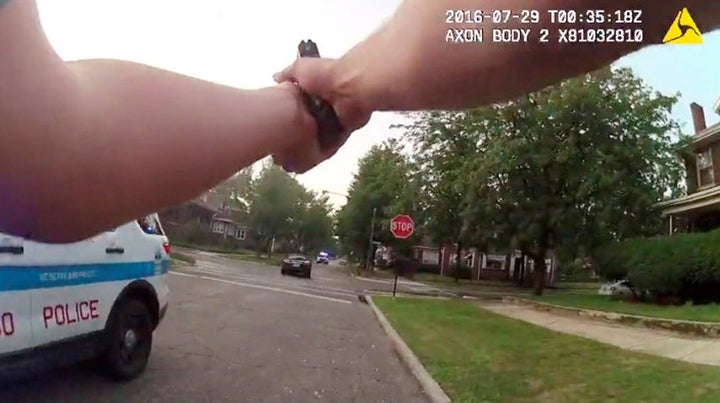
98,299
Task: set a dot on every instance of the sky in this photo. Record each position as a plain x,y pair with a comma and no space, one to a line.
242,43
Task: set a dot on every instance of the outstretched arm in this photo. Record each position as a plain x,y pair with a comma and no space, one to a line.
408,65
89,145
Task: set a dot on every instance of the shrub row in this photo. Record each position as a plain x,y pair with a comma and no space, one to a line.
684,265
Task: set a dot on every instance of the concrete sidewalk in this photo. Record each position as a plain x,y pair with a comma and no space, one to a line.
648,341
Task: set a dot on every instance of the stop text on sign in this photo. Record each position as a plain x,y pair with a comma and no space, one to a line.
7,324
402,226
67,314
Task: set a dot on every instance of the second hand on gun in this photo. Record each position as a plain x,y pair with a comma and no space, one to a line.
330,130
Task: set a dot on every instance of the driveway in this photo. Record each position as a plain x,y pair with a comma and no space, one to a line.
241,332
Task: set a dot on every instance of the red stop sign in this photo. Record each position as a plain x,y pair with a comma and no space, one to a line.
402,226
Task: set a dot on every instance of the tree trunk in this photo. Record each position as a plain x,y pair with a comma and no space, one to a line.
540,268
458,259
508,261
270,247
519,274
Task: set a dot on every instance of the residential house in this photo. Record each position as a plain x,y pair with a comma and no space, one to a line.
204,220
699,210
482,266
223,225
196,211
498,265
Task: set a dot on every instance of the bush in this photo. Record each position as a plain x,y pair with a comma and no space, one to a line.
683,265
575,271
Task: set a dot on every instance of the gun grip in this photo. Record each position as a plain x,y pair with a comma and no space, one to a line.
330,130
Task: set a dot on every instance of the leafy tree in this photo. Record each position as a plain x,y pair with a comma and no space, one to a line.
444,143
315,231
235,194
382,184
573,166
283,210
274,204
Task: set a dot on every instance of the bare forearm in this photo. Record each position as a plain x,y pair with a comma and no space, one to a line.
144,138
408,65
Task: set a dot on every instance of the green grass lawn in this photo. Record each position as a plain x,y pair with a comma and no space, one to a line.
703,313
579,288
478,356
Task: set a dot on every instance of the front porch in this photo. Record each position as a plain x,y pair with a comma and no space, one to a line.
697,212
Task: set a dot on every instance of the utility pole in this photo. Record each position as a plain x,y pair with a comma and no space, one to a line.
370,241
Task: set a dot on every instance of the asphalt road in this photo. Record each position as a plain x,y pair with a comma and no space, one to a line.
241,332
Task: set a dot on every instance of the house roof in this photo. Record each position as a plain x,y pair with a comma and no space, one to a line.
204,205
221,218
695,201
707,136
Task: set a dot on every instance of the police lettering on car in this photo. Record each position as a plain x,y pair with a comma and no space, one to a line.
98,298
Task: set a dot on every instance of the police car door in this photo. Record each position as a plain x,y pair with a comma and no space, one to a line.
16,281
74,297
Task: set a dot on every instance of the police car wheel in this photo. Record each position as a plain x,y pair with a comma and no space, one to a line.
130,341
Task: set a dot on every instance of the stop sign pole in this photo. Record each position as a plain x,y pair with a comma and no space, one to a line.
401,226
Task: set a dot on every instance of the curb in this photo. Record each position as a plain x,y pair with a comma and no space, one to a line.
709,330
406,295
431,388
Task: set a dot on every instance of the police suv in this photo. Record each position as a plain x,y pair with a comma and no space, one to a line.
100,298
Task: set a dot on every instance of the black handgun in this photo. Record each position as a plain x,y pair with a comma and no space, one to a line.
330,130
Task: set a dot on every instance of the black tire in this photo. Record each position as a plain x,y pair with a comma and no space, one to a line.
129,341
306,274
283,272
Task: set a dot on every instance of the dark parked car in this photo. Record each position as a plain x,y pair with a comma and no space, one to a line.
296,264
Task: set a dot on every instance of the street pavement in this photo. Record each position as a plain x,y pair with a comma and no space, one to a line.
241,332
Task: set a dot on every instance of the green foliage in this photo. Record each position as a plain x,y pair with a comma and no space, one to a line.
281,208
574,166
612,259
444,144
574,270
568,168
235,194
383,183
656,267
685,265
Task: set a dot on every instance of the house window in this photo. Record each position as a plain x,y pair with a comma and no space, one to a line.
495,262
469,259
240,234
430,257
218,227
705,173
